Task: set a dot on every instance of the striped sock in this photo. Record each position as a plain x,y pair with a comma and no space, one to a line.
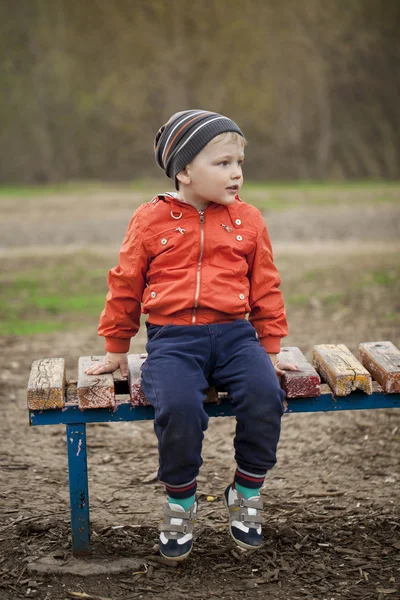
184,502
181,492
247,492
248,481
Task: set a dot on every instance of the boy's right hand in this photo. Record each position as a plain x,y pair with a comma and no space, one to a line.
112,362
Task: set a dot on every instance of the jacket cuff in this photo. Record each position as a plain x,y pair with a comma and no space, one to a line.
118,345
271,344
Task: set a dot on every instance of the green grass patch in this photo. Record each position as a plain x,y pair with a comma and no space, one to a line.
29,191
309,185
88,304
392,316
298,300
332,299
273,196
82,187
304,299
52,297
27,327
314,275
387,277
362,285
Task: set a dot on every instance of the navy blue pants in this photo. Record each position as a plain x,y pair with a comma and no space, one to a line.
182,362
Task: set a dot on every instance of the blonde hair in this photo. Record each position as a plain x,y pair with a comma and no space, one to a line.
233,137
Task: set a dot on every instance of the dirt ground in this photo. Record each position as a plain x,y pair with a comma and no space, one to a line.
332,508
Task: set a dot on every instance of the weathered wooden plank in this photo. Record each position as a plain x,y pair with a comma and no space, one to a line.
382,360
340,368
46,385
376,388
72,393
94,391
303,383
136,393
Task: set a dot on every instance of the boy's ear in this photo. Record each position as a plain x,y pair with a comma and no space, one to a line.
183,176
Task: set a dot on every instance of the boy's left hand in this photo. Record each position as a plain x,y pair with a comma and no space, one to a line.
280,366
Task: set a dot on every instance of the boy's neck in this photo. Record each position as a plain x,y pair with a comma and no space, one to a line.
199,204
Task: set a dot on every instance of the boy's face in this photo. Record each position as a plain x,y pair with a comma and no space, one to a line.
215,174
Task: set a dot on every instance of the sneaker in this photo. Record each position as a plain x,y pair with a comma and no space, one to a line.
244,518
176,531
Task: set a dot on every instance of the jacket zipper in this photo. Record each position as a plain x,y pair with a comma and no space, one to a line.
197,294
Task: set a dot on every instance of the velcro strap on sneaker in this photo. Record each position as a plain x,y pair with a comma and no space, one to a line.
176,514
172,528
244,503
251,521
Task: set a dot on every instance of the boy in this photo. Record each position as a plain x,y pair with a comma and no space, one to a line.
197,262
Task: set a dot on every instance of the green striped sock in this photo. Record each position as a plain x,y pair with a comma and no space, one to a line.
247,492
184,502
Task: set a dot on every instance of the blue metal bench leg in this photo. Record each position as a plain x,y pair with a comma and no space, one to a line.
78,488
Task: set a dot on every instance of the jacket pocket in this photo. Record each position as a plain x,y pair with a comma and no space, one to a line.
231,249
168,241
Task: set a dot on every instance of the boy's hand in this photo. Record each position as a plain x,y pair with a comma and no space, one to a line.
112,362
279,366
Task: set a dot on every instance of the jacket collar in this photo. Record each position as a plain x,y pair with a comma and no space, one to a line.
233,209
234,212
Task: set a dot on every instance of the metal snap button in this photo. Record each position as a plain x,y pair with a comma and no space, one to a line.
153,294
238,222
241,296
164,241
239,238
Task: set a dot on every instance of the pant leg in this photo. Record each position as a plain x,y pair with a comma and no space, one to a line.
173,381
245,370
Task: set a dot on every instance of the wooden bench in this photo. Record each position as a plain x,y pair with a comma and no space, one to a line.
335,381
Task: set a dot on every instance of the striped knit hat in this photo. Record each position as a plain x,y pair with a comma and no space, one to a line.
185,135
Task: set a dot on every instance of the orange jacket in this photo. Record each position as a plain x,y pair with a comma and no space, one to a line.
182,266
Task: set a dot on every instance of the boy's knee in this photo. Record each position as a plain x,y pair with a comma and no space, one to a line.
261,387
260,401
180,414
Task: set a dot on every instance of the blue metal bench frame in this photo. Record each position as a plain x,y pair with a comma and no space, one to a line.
76,420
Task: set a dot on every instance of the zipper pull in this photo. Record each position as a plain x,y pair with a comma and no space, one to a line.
181,230
201,213
227,228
